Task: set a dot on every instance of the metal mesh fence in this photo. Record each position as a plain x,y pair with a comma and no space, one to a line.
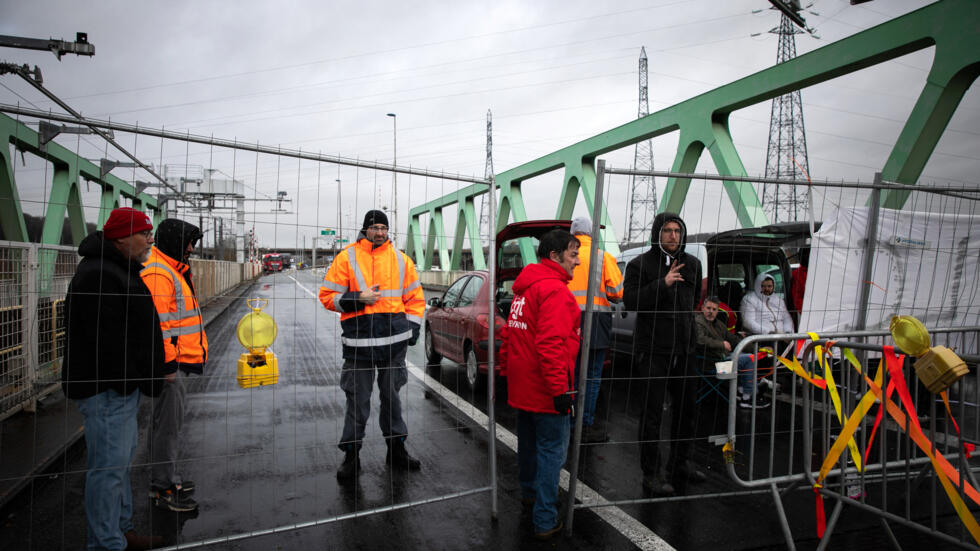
14,384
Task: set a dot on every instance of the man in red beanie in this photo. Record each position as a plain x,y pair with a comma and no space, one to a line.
114,352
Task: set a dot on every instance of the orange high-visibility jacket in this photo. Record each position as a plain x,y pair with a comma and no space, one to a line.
394,318
610,279
184,341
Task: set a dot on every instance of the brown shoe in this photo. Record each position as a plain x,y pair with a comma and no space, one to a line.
135,542
548,534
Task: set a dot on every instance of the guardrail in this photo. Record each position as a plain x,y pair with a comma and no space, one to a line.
880,469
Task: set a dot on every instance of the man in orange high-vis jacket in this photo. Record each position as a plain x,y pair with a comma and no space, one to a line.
610,289
377,292
168,277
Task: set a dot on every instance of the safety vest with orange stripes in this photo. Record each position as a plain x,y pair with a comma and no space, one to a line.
396,314
184,340
610,286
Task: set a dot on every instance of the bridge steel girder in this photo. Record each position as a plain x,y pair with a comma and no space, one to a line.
702,121
65,196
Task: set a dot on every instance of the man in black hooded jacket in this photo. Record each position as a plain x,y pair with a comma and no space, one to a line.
662,286
167,275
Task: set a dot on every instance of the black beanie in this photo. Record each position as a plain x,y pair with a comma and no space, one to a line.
374,217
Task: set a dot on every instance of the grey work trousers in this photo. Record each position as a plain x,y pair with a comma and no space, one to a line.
356,379
168,420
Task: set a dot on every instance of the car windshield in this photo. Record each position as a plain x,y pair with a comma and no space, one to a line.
510,252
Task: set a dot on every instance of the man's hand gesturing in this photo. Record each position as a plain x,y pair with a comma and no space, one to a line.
674,275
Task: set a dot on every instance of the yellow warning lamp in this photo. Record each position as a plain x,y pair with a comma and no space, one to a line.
937,367
256,331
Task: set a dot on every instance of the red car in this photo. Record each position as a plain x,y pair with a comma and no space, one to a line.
457,323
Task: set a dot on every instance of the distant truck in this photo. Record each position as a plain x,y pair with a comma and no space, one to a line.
272,262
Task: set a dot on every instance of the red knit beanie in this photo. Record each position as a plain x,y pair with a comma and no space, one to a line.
124,222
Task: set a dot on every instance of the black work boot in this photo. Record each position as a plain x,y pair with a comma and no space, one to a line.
398,457
352,463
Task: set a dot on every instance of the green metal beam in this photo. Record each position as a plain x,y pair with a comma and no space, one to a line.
64,197
702,121
11,216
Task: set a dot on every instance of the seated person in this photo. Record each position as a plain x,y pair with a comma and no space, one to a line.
716,343
763,312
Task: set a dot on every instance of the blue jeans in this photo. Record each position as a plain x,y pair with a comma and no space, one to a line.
592,379
542,442
110,438
746,374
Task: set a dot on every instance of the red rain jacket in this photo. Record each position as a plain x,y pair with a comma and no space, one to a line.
541,339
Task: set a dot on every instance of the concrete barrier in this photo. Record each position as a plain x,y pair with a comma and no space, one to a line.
214,277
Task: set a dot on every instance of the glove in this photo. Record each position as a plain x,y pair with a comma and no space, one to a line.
563,403
415,335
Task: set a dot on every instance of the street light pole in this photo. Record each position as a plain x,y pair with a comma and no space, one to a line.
339,238
394,180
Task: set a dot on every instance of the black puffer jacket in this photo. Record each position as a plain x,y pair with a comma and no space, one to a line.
113,337
665,315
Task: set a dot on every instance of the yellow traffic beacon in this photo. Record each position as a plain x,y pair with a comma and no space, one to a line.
937,367
256,331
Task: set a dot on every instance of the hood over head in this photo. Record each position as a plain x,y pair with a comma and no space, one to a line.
759,279
658,223
581,225
174,235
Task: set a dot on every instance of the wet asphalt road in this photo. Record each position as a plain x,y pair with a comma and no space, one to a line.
266,457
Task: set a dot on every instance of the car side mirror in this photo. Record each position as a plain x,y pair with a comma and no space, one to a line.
435,302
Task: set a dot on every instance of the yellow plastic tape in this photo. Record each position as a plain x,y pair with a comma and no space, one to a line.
846,434
835,398
948,475
794,366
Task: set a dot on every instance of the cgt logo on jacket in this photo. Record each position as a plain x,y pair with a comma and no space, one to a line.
516,312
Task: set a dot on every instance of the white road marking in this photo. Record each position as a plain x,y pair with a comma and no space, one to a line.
634,530
309,292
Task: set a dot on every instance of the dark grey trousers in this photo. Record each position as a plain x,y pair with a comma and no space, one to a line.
168,419
356,379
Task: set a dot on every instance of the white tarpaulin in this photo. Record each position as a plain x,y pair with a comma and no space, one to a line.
925,265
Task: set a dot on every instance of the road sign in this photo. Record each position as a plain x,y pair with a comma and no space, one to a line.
327,232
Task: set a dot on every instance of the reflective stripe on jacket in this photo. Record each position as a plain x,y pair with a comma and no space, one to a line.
184,340
610,279
395,316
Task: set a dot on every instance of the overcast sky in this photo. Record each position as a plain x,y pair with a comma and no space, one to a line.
321,76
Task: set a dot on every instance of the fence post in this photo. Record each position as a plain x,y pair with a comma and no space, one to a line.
595,269
869,254
29,325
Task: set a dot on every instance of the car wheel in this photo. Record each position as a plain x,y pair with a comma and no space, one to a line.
431,356
472,369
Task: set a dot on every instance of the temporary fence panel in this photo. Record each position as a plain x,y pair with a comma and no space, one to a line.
888,446
925,264
768,449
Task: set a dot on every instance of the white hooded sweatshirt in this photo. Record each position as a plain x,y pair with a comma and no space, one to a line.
765,314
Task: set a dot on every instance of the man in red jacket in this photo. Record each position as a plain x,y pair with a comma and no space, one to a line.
539,348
